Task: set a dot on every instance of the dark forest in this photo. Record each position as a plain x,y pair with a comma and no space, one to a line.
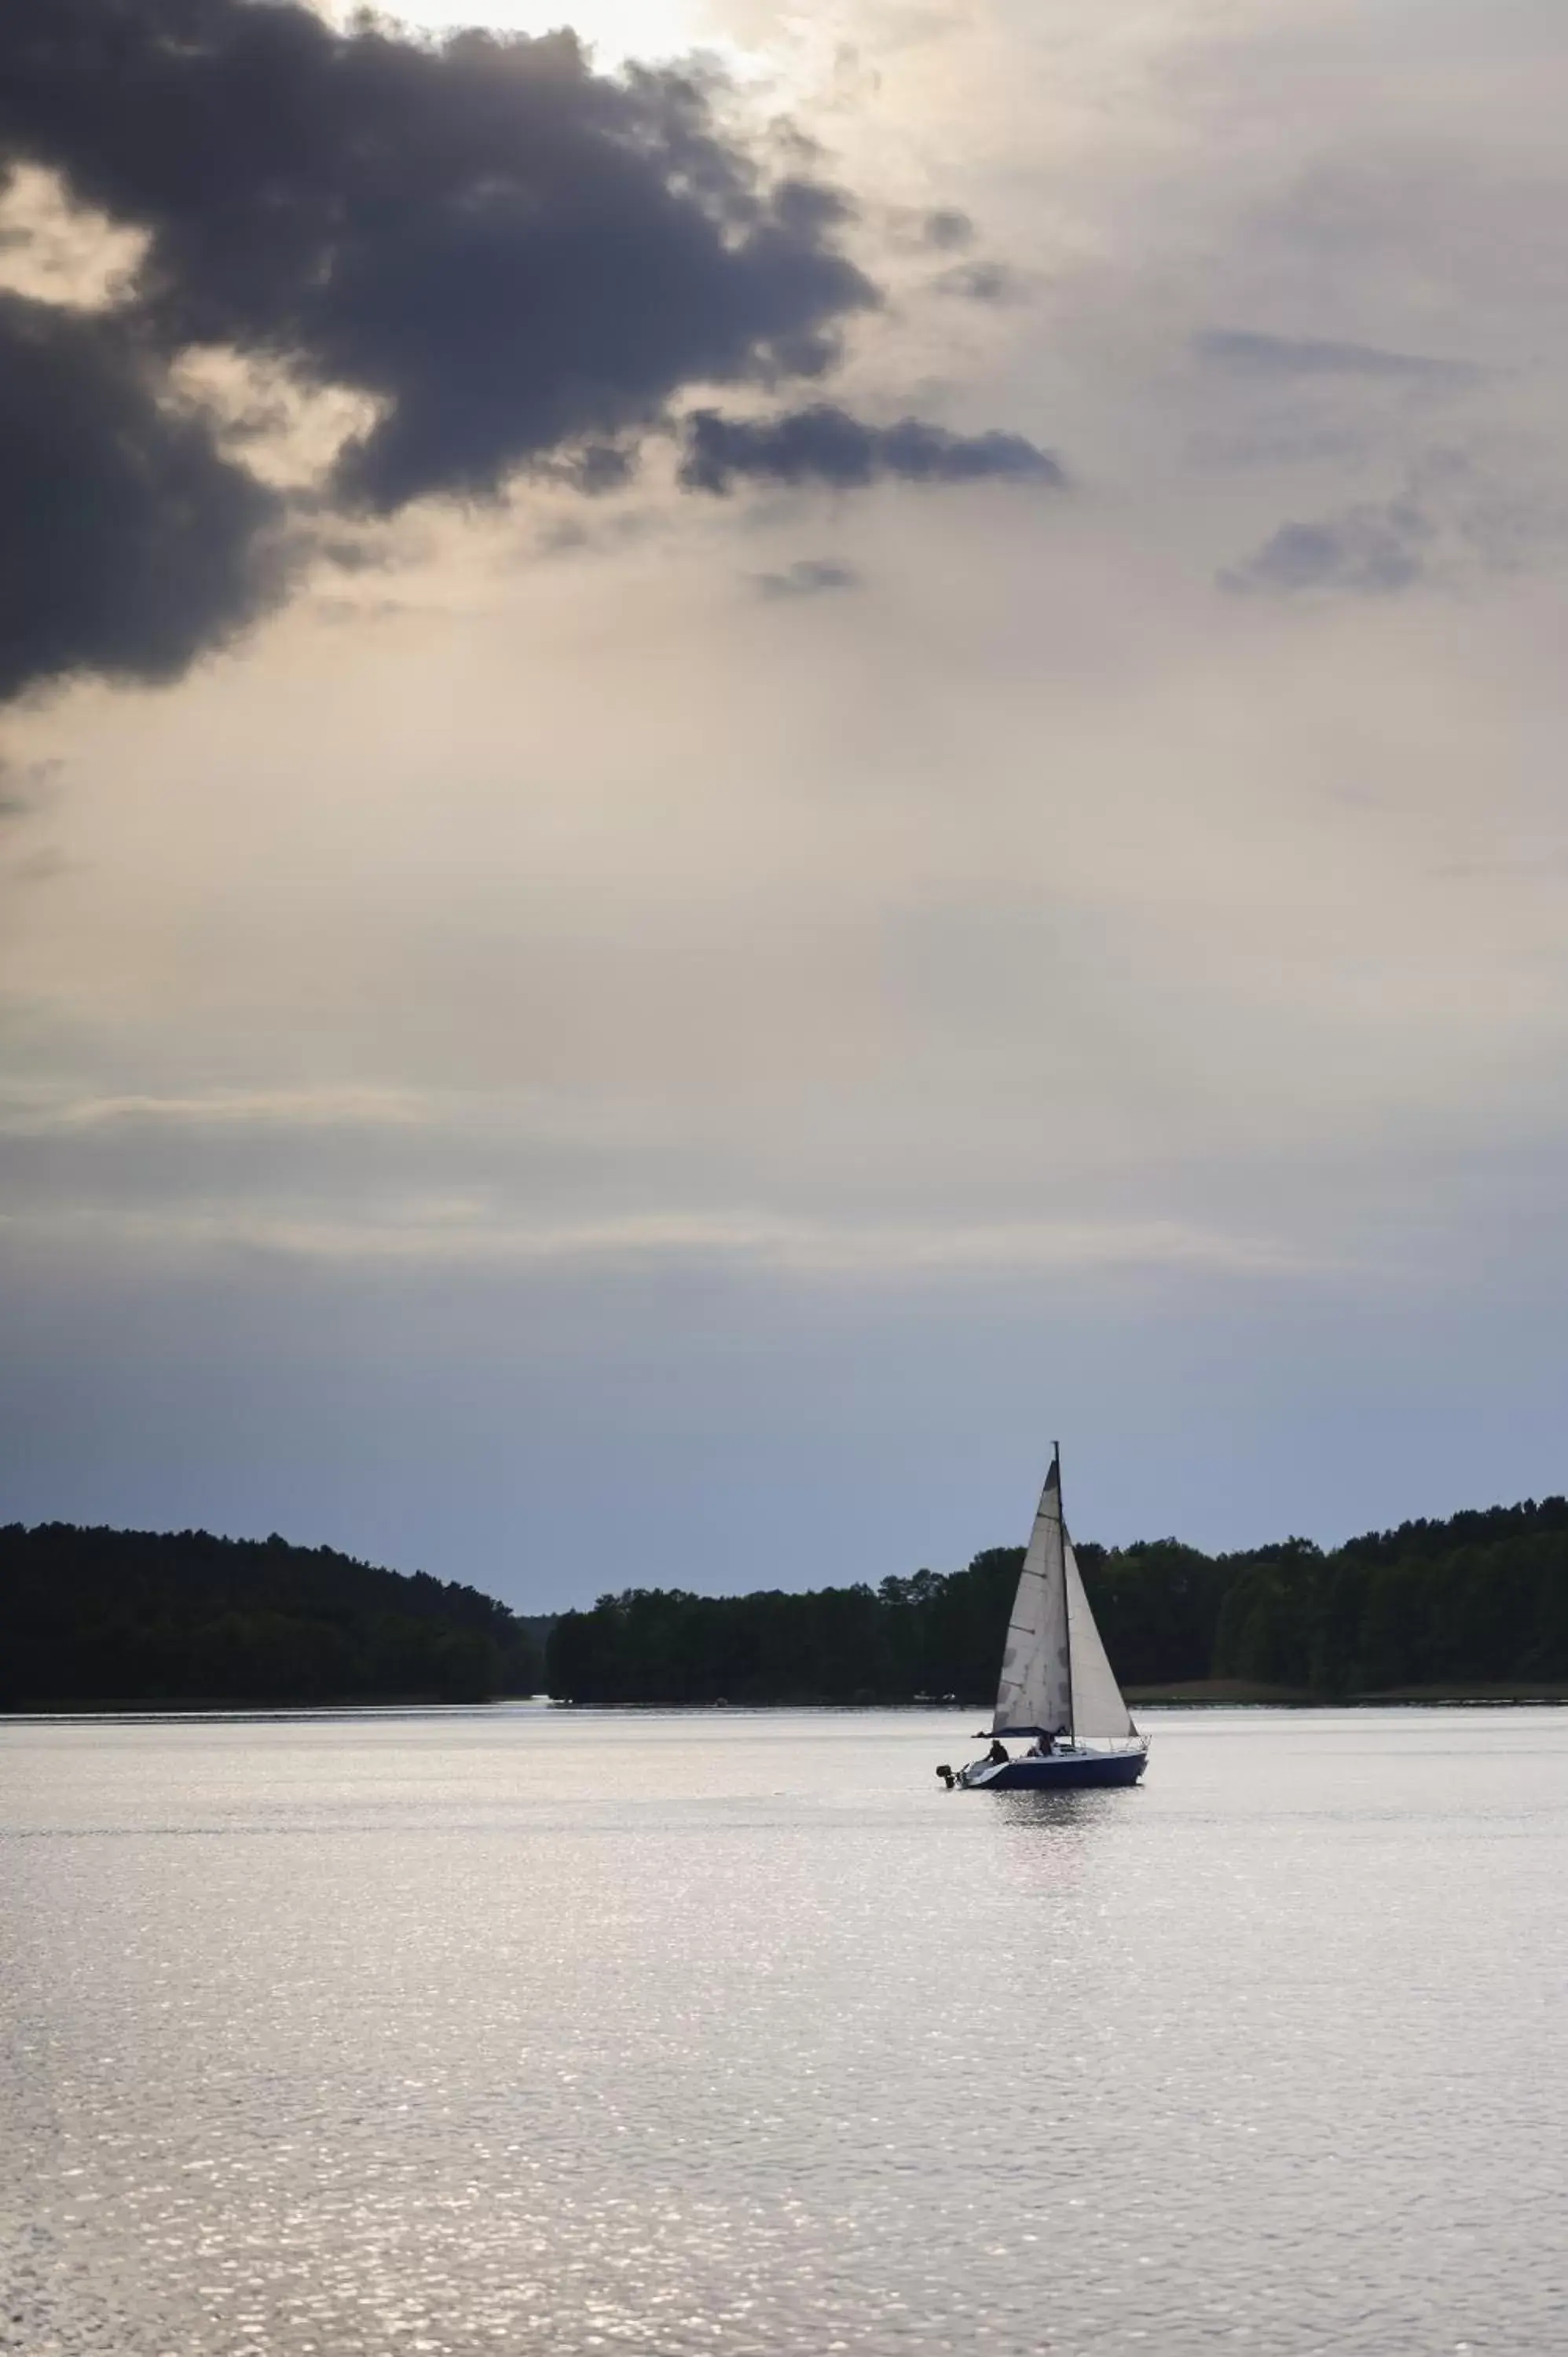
105,1617
100,1617
1476,1602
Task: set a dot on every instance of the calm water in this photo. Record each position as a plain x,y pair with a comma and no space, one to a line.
523,2031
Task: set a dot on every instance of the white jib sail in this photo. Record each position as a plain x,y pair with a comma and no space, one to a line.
1098,1708
1035,1691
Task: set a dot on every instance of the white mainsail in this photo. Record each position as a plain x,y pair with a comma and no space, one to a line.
1035,1691
1054,1671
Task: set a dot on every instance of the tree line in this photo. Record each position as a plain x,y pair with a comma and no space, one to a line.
102,1617
111,1617
1480,1599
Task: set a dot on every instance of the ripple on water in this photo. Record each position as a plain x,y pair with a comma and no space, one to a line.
736,2033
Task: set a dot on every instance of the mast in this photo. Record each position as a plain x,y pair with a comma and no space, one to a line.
1067,1611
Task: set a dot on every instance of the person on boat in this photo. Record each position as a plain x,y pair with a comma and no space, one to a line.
1043,1746
998,1755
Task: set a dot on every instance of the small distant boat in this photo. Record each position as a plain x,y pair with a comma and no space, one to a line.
1058,1692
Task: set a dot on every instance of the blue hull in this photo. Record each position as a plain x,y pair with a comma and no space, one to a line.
1056,1775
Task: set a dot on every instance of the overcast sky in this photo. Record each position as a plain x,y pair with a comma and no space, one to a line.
730,791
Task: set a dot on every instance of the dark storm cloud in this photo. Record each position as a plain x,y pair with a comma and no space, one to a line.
1291,357
809,576
505,249
522,264
827,446
127,541
1376,549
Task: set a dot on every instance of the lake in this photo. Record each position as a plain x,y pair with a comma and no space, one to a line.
514,2030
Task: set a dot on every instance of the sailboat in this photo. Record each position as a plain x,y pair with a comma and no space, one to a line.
1057,1694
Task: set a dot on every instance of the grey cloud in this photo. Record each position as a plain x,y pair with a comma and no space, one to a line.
128,541
981,281
351,554
522,264
825,445
947,230
809,576
1292,357
601,467
1457,515
1368,548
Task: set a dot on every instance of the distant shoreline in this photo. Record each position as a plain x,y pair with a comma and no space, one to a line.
252,1706
1204,1694
1200,1692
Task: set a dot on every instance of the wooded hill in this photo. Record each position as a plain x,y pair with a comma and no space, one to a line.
1476,1602
99,1616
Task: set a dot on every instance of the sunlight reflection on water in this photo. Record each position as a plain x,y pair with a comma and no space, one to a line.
462,2032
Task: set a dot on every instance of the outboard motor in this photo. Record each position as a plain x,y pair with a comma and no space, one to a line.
946,1773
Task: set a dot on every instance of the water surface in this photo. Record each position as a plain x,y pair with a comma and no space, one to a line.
513,2030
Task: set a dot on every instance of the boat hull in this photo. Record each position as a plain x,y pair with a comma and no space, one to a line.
1061,1772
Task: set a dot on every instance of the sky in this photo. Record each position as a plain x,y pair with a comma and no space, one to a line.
750,761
